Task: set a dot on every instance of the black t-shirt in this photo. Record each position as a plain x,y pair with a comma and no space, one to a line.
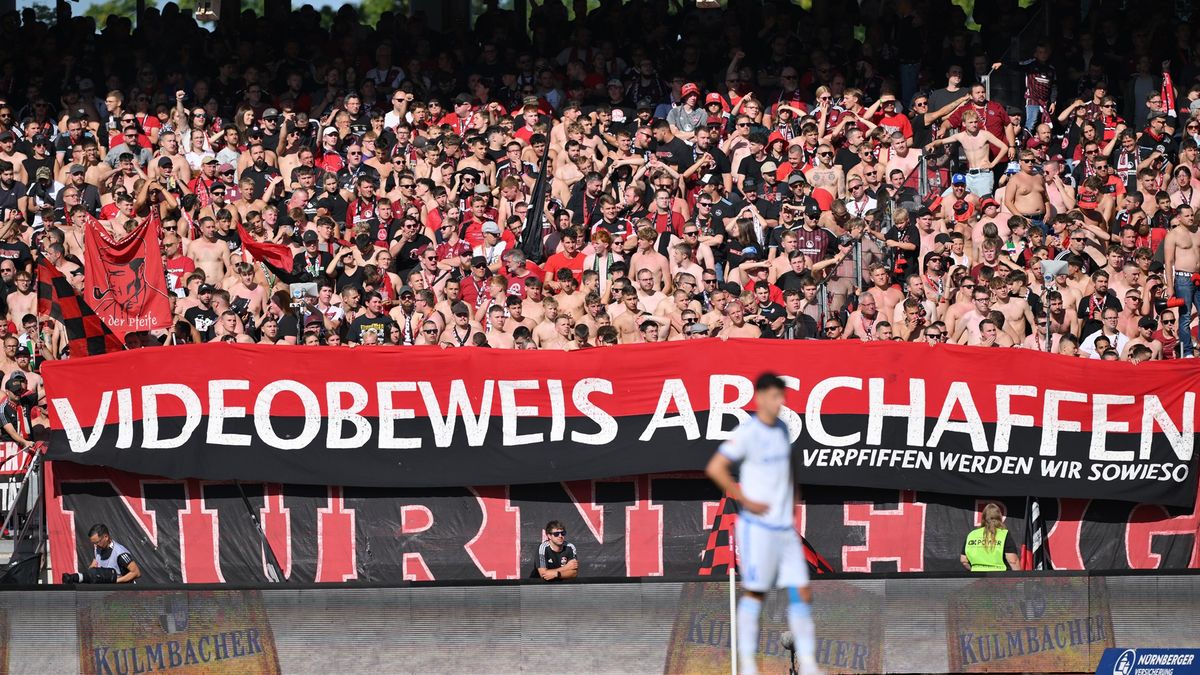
261,178
16,251
789,281
364,323
405,260
847,159
18,417
908,235
751,167
313,269
203,319
551,559
772,311
675,152
289,326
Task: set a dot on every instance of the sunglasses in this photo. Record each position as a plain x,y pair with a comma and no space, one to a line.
557,533
933,336
743,124
690,234
430,331
1168,322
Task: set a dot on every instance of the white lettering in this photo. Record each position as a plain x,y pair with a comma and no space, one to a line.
458,406
1005,418
718,407
72,428
960,394
608,425
673,391
914,411
812,411
1181,440
339,415
262,415
1051,424
218,412
191,420
389,413
1101,425
510,412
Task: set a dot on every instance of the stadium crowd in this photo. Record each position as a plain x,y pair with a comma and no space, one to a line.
760,171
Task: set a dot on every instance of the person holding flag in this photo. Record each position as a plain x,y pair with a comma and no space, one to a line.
771,553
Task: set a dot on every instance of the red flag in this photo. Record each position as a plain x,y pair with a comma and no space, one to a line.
274,255
86,333
124,279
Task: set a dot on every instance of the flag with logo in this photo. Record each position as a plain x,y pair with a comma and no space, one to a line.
124,277
86,333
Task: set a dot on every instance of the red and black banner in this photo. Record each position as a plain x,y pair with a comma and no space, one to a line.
956,420
123,278
634,526
87,335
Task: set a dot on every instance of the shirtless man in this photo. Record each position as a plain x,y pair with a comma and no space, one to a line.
1131,313
1181,261
562,335
571,298
496,335
1025,193
646,258
735,323
1063,319
55,254
974,141
23,300
545,330
1016,311
825,174
861,323
901,157
627,321
246,287
682,263
210,254
966,329
1145,336
532,305
461,331
593,310
886,295
647,290
715,318
516,314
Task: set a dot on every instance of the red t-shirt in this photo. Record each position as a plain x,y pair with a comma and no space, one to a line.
560,261
177,270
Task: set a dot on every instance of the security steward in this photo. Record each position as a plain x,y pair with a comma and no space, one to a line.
556,559
988,547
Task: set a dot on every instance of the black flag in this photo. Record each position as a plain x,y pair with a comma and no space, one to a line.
1035,554
531,236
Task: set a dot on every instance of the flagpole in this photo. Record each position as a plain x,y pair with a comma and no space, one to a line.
733,641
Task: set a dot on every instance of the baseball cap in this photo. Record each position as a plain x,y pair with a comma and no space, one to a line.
76,168
697,328
164,162
205,288
16,383
43,172
225,168
490,227
615,82
714,97
689,89
478,261
329,130
270,112
40,139
208,159
460,309
958,179
22,351
645,104
749,185
1144,322
942,238
462,99
1157,115
309,237
923,212
768,167
405,290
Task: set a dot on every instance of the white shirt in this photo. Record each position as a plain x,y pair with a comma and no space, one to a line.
765,454
1118,342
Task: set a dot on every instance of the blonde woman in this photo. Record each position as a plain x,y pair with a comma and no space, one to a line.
989,546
